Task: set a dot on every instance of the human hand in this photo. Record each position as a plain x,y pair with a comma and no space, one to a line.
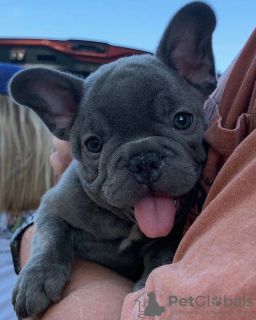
61,158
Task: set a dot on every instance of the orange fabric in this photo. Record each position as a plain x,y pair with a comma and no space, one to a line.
233,104
216,260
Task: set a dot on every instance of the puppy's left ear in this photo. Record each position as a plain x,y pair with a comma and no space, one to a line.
186,45
53,95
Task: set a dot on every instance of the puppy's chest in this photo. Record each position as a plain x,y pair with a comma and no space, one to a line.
134,238
119,239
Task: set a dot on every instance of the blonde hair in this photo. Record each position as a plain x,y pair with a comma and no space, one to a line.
25,149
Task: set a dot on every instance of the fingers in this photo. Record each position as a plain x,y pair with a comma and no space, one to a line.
63,148
61,158
58,164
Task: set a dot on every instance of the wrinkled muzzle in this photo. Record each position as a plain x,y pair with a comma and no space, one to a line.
150,177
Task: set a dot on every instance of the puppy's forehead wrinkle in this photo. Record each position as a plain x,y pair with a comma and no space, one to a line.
128,72
156,94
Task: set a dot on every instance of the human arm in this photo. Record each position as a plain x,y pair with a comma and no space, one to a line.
93,292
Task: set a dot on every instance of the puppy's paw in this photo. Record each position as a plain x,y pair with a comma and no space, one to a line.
37,287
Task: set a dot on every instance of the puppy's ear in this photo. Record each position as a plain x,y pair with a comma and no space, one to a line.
186,45
52,94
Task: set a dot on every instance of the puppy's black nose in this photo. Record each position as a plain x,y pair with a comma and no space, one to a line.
146,168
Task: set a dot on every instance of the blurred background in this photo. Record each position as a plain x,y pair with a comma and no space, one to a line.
77,36
129,23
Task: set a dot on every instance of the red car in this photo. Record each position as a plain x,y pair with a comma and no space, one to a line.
82,57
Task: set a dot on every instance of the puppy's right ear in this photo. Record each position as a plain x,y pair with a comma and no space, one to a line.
52,94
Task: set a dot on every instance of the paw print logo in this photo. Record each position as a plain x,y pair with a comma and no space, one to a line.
216,301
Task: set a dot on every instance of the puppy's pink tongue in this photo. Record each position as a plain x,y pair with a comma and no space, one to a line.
155,215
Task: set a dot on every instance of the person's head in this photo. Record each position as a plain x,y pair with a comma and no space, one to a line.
25,149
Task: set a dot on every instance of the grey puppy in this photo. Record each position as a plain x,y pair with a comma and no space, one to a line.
136,131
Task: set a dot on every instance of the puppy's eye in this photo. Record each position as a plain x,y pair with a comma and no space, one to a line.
94,144
182,121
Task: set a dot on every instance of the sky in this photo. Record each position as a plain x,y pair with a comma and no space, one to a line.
131,23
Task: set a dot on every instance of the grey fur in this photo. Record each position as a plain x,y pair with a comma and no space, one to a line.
130,105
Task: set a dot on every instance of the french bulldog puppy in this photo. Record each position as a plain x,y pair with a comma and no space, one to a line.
136,130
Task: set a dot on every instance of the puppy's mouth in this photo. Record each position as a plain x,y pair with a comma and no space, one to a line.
155,215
